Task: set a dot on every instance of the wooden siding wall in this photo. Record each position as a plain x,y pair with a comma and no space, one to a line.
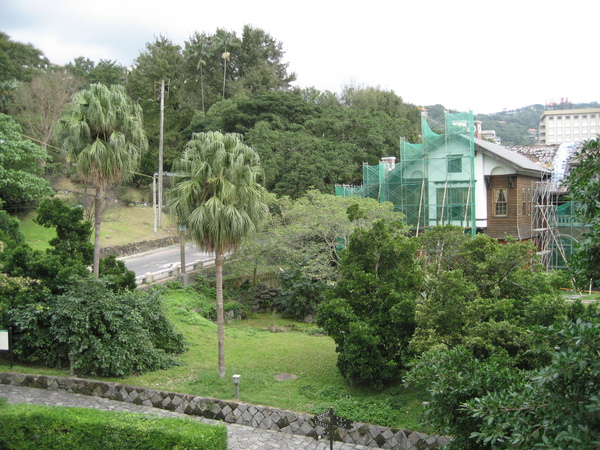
515,223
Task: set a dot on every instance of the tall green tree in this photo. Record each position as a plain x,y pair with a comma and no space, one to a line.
106,71
162,60
584,188
103,131
225,41
218,197
19,61
21,184
199,50
259,63
371,314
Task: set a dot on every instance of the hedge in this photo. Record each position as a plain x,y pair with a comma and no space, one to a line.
25,426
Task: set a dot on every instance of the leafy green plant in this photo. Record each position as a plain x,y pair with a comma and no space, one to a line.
375,410
371,315
37,426
299,295
112,334
488,404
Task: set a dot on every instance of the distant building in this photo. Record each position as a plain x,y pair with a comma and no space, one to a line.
490,135
568,125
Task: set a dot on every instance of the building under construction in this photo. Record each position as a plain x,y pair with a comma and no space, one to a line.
455,177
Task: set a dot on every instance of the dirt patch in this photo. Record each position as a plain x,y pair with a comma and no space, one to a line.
285,376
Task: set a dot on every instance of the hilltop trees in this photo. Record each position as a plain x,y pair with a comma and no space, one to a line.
102,130
18,61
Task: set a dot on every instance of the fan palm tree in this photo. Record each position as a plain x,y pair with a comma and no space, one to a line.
203,54
217,196
102,130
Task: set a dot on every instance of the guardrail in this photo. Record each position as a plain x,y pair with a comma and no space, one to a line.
173,270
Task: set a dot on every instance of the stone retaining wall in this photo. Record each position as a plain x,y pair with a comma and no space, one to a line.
138,247
262,417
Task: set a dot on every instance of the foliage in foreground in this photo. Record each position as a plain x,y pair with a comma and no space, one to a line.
487,404
39,427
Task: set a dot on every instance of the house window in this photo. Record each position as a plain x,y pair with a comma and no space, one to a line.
500,202
454,164
453,205
526,205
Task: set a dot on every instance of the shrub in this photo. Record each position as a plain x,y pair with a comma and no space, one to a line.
299,295
113,334
116,274
39,427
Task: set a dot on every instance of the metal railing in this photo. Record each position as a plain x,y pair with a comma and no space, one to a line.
173,271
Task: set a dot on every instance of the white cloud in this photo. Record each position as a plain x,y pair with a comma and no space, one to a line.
463,54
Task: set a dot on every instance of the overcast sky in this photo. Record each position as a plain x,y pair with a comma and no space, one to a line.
466,55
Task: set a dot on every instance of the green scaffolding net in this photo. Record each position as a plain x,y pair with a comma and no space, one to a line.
433,182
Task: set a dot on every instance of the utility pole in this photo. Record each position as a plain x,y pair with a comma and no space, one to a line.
160,152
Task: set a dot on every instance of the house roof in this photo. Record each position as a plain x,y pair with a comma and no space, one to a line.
522,164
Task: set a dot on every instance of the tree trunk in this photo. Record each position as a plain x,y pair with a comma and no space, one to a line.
97,220
220,318
202,87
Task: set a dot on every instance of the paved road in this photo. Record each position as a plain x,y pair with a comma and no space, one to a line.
240,437
163,258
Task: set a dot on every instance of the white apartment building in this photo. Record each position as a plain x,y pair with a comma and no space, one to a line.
569,125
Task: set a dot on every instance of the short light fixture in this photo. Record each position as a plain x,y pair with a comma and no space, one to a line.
71,363
236,383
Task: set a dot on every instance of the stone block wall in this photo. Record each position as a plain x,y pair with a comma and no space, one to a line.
256,416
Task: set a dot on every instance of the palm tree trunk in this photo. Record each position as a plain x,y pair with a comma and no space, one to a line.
224,76
202,87
97,220
220,318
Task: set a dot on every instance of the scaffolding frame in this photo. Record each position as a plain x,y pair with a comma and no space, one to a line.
434,181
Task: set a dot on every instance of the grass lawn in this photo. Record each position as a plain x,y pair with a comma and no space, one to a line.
121,225
282,363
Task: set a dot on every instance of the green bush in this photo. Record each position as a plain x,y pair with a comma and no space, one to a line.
42,427
488,404
116,274
299,295
113,334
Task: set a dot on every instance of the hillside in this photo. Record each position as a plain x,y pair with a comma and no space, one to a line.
512,127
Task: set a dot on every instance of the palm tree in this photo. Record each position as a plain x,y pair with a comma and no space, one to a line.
102,130
203,53
218,197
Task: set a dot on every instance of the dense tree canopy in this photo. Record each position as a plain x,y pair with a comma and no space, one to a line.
105,71
487,404
584,189
21,185
18,61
